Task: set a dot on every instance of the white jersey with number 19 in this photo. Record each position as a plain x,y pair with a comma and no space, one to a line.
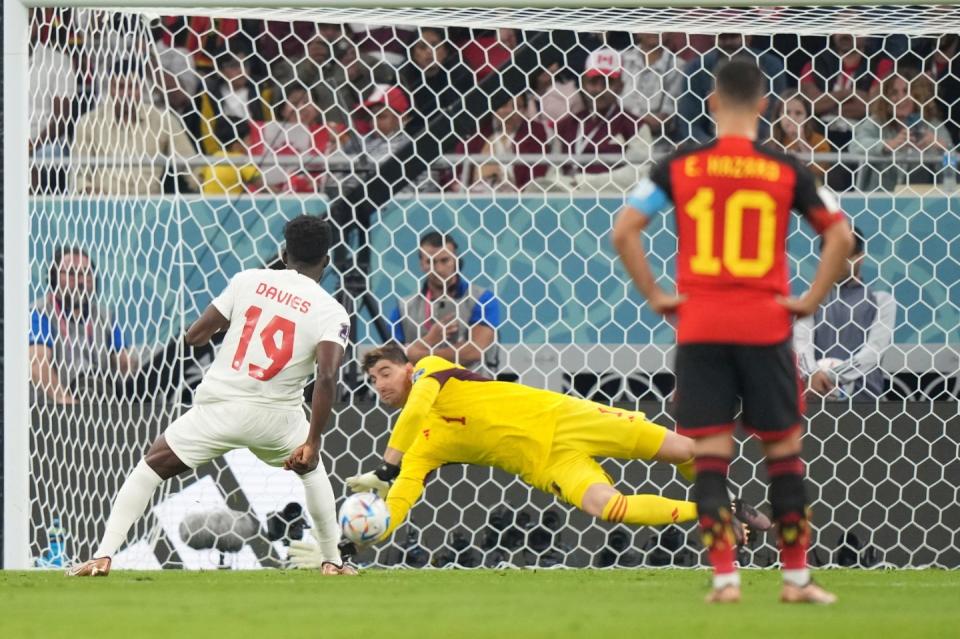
277,319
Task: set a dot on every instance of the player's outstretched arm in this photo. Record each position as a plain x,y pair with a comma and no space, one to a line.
378,481
628,243
307,456
210,323
407,489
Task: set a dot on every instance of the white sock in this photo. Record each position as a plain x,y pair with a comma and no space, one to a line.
798,578
131,501
728,579
323,510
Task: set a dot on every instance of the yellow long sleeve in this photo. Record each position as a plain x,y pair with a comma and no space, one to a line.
408,488
414,413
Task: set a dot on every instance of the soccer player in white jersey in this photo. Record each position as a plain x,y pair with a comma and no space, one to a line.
279,325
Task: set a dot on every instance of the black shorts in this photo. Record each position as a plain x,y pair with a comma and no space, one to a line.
713,379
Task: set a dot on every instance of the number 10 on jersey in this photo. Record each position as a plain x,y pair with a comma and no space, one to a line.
701,207
279,355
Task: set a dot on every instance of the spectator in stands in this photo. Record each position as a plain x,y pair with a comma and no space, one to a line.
694,121
231,95
794,132
840,348
389,43
507,132
555,95
77,348
53,87
838,82
308,69
129,135
233,173
379,128
287,146
904,125
179,88
489,51
943,67
652,82
335,71
448,317
603,128
428,76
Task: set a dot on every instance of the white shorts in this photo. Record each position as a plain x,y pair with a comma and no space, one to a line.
207,431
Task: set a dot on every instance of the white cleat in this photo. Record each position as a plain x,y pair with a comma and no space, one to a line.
328,568
811,593
727,594
91,568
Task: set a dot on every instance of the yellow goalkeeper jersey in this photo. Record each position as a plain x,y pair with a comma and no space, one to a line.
456,416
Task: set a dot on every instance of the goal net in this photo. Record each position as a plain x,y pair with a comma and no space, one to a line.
168,147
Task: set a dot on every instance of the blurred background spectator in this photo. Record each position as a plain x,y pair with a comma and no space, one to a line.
77,348
389,43
507,132
488,50
232,95
427,76
232,171
379,125
130,135
794,130
694,121
179,88
943,67
286,146
603,127
53,87
841,346
448,316
904,124
839,82
651,82
555,94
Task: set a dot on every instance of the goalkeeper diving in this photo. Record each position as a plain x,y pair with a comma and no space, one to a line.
452,415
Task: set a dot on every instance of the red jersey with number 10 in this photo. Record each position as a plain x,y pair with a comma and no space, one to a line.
732,201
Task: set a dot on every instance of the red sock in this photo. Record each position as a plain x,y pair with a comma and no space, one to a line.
794,538
788,499
710,491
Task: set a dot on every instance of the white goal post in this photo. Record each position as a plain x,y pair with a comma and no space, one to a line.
530,219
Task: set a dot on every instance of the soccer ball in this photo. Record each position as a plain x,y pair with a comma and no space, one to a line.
364,517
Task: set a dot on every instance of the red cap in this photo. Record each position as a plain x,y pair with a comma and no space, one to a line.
603,61
391,96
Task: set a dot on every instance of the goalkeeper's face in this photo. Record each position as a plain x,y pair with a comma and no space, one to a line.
392,382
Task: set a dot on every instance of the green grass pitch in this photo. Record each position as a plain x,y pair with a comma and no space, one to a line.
458,604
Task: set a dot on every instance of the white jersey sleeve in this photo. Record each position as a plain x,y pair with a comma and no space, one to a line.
277,319
225,301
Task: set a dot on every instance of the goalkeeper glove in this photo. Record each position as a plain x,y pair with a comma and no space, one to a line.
377,482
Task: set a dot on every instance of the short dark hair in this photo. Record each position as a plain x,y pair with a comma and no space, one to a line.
437,239
391,351
227,61
53,275
740,80
308,239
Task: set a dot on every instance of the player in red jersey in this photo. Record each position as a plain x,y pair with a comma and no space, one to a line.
733,199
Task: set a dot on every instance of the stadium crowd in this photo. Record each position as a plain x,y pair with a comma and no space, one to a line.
268,104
